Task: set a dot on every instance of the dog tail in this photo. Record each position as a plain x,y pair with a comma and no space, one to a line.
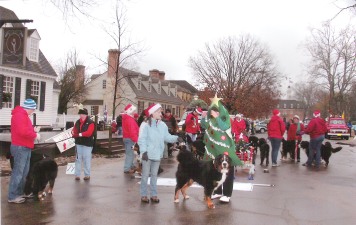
337,149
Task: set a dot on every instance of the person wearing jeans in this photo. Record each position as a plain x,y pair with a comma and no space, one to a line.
83,133
316,129
130,131
153,135
276,128
22,142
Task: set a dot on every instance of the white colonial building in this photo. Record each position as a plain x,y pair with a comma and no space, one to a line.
24,71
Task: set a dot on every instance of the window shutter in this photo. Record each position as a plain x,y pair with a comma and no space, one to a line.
17,92
28,88
42,96
1,88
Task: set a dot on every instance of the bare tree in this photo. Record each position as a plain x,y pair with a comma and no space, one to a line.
72,86
73,7
238,69
127,50
333,62
351,7
306,92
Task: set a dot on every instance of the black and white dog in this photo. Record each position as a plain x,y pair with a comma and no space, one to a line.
210,174
326,150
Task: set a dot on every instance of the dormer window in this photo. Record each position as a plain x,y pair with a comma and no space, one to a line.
149,85
159,87
34,49
175,91
139,83
104,84
169,89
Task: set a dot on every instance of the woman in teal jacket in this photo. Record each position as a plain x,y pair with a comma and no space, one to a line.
152,136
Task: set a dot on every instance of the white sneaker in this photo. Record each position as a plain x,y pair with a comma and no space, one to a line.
17,200
274,165
225,199
214,196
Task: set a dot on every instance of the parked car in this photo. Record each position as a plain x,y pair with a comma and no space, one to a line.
260,127
337,128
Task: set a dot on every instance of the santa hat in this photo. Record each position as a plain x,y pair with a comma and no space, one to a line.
129,109
238,115
316,113
296,116
199,110
276,112
153,108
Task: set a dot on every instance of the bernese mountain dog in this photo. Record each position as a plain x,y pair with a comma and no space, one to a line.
43,170
325,151
210,174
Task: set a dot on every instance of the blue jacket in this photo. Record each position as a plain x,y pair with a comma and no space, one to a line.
151,139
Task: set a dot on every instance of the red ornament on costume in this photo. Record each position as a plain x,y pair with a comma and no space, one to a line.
223,138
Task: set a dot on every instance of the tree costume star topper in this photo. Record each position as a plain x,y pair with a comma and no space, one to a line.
218,138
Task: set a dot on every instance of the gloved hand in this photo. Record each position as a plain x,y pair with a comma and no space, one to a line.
38,137
37,129
180,139
145,156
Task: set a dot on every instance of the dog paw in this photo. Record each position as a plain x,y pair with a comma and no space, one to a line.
176,200
211,206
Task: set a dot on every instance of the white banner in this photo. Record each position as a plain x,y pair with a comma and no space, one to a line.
64,140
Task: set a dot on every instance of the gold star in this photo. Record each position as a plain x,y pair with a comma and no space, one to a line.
215,100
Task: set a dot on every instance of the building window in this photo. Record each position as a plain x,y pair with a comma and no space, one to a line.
178,111
159,87
94,110
278,106
284,106
34,49
35,90
291,106
149,85
104,84
8,90
164,106
297,106
140,106
139,83
173,111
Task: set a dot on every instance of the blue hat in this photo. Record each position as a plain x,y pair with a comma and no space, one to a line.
29,104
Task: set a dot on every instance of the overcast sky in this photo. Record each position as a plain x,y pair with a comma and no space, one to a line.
172,31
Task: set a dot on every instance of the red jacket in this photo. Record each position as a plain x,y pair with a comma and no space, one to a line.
130,127
237,127
22,132
276,127
292,132
192,124
316,127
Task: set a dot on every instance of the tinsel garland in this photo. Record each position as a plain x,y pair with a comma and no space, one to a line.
216,142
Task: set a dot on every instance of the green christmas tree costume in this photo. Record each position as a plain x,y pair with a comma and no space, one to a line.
218,138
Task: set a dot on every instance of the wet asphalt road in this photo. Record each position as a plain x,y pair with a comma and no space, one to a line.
300,196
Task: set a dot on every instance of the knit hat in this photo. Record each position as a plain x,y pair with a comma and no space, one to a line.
199,110
296,116
129,109
276,112
153,108
316,113
29,104
83,111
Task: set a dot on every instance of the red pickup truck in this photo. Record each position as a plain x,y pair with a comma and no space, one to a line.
337,128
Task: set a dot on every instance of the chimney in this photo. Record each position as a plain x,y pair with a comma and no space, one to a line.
79,76
154,73
162,75
112,61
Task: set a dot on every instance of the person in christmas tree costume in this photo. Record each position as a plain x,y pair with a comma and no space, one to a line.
218,140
